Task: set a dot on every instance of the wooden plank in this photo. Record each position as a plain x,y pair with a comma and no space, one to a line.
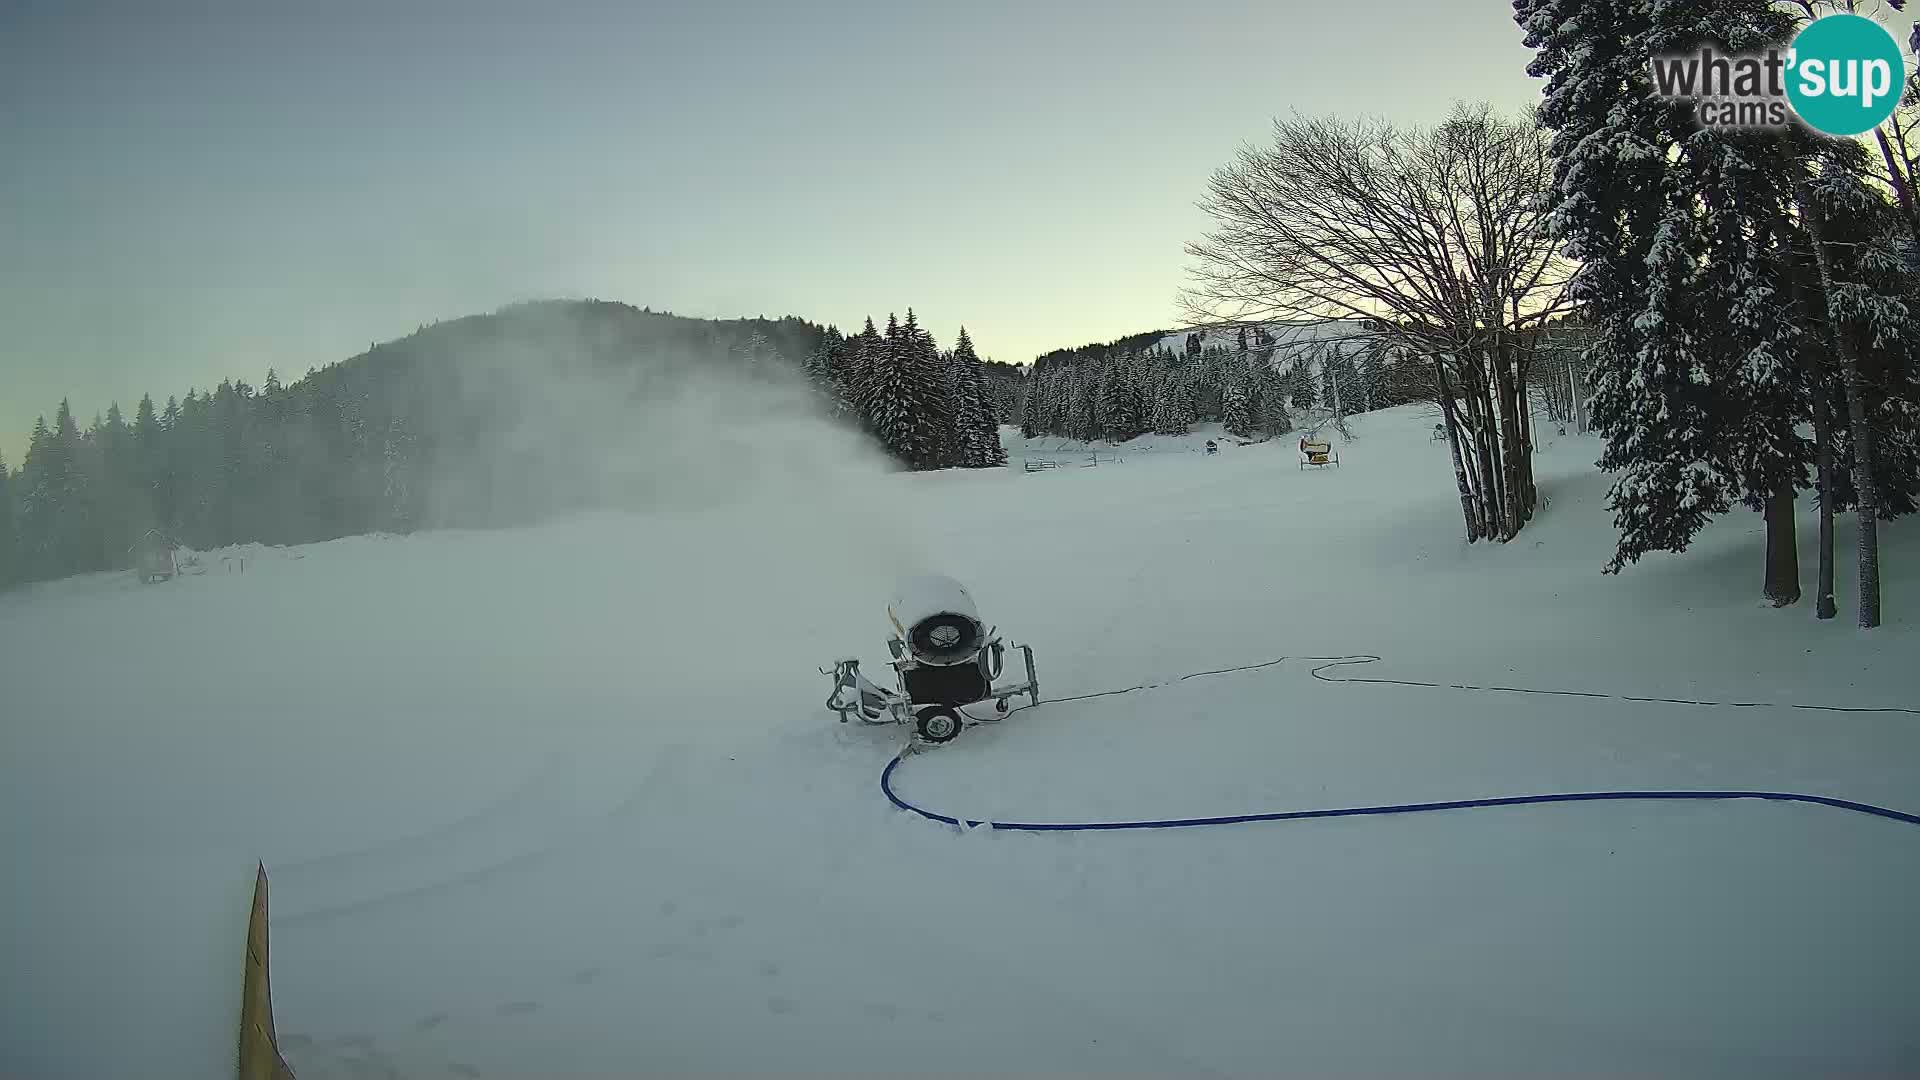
259,1047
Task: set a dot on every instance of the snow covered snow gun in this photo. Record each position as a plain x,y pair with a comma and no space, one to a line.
944,659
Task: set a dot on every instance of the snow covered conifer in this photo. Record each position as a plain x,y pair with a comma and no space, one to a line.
887,397
1169,406
979,432
1678,232
1120,398
1236,408
9,557
1030,406
930,375
1270,400
898,395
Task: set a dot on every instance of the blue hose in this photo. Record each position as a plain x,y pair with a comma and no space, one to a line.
886,786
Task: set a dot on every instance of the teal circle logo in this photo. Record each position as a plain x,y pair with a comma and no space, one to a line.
1845,74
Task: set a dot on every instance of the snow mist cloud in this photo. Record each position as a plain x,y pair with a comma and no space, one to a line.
727,484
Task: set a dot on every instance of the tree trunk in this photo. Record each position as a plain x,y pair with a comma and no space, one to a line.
1520,459
1529,495
1867,513
1823,605
1902,184
1511,487
1486,432
1865,490
1471,431
1563,382
1783,550
1526,460
1573,391
1469,508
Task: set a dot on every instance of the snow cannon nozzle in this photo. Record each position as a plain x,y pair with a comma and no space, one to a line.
937,620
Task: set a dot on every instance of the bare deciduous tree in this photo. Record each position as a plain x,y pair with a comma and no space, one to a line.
1438,233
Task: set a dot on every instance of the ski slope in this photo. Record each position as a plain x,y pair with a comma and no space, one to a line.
563,802
1346,337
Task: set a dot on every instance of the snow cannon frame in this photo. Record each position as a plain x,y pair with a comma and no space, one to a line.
944,659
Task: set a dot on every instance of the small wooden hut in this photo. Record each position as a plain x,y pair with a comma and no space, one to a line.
155,556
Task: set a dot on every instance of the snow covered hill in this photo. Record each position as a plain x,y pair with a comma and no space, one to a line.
562,801
1340,336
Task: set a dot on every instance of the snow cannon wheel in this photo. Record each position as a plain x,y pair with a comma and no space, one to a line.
937,724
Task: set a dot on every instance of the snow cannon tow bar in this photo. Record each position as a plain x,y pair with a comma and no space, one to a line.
944,659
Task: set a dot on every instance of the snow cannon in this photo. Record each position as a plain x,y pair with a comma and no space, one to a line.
944,659
936,619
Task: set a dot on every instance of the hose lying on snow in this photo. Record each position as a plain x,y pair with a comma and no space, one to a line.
886,775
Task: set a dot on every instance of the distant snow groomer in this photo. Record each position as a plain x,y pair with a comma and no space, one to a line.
944,659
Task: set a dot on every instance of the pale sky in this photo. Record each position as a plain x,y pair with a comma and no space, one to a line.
195,191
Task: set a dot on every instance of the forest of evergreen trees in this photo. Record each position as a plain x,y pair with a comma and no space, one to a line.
1753,295
370,444
928,408
1243,378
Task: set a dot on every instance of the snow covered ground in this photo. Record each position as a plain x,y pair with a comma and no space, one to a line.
563,801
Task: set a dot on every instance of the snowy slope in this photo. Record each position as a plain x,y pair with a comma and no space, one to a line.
562,801
1344,336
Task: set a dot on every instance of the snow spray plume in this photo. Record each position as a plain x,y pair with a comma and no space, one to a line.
558,418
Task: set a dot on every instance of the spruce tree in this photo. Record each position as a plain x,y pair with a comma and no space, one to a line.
34,527
168,480
894,398
854,367
1030,406
1080,423
1187,392
114,468
978,427
969,406
1270,402
934,422
1119,398
1055,402
1208,377
1236,410
9,541
1679,234
67,483
146,427
822,368
1169,410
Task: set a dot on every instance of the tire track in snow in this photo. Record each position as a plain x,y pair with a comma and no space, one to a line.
465,871
342,862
